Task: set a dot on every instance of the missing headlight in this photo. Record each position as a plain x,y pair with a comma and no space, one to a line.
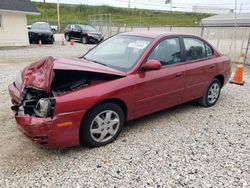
44,107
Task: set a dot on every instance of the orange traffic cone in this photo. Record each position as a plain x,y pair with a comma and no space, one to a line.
63,43
72,42
238,76
40,44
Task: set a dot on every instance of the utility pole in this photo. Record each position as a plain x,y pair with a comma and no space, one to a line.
240,6
170,6
58,16
140,17
128,3
45,16
235,28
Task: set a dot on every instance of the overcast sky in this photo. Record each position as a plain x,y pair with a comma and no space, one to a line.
178,5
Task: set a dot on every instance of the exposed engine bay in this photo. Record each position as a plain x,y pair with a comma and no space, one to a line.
65,81
40,103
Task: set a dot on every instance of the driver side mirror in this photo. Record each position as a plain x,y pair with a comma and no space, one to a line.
152,64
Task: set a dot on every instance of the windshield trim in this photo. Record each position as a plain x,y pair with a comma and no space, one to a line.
86,29
48,28
124,35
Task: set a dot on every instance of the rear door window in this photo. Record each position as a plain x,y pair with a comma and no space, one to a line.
78,28
194,48
168,52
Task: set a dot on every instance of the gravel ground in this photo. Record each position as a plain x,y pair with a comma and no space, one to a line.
185,146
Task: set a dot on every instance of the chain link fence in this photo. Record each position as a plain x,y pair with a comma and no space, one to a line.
225,39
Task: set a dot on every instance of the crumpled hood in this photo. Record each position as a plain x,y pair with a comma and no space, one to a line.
40,74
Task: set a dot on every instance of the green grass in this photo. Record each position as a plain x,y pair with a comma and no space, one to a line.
120,16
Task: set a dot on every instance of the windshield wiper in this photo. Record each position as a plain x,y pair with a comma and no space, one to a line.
94,61
99,63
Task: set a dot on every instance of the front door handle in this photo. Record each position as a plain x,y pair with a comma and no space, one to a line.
179,74
211,66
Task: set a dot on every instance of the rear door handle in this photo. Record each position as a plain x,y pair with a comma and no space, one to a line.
211,66
179,74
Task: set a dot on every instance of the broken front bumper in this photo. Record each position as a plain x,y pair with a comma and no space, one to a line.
48,131
62,130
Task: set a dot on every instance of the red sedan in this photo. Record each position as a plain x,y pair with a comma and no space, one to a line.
66,102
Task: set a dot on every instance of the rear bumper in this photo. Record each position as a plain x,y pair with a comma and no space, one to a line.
227,76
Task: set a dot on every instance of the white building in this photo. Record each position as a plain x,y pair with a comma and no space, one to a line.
13,23
211,10
227,20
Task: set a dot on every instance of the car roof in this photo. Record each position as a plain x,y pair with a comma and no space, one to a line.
155,34
41,23
83,24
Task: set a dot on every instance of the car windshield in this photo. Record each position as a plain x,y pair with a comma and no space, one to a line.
87,28
119,52
41,26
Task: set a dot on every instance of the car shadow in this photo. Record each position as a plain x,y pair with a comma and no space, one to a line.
166,112
129,127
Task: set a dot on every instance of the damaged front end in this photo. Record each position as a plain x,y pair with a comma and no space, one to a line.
35,102
35,96
40,103
51,77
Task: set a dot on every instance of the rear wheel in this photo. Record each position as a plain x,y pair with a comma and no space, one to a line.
102,125
212,94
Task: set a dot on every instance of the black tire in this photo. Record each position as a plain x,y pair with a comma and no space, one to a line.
84,40
52,41
67,37
204,101
87,138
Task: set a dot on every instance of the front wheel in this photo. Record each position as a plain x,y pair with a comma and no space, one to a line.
102,125
212,94
52,41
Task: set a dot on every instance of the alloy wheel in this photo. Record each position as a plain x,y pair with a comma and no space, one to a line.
84,40
67,37
104,126
213,93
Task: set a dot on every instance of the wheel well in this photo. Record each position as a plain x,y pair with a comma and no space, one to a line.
221,79
85,35
119,102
